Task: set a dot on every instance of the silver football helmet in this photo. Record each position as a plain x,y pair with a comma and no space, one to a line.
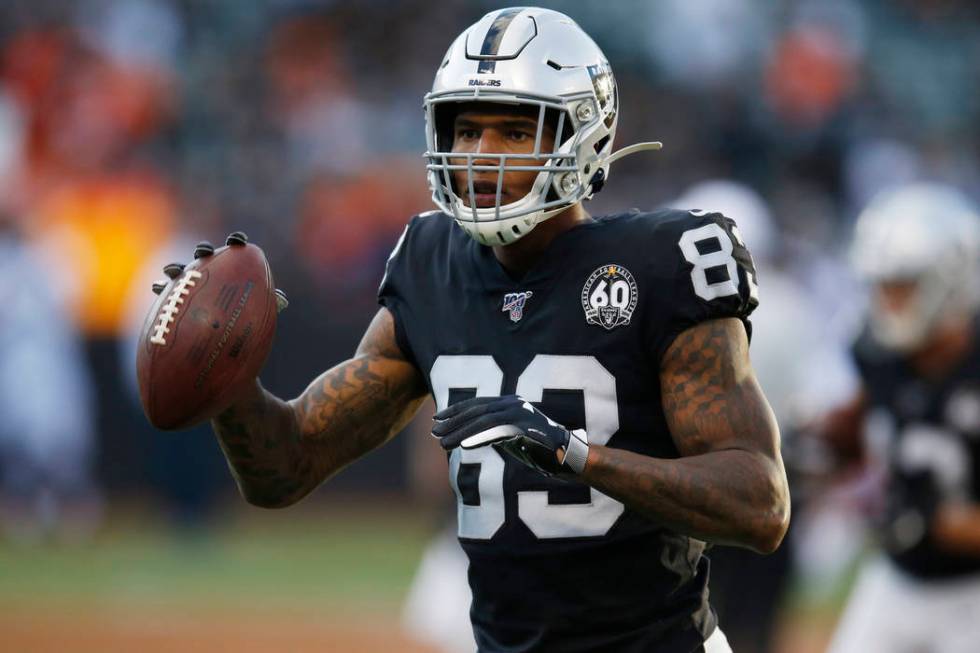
530,57
927,235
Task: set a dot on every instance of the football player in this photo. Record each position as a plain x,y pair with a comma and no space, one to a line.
919,362
591,374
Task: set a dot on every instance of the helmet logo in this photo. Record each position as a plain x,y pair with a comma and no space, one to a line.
605,90
494,37
514,304
609,297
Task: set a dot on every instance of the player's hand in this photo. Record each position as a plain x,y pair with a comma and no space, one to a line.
204,248
512,424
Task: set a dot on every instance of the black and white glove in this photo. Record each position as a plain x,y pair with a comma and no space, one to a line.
512,424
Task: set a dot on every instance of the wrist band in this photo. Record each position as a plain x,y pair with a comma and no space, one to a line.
577,451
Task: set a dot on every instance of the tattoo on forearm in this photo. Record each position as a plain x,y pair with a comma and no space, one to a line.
280,451
357,400
728,486
257,449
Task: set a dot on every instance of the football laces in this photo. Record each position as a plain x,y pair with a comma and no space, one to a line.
172,306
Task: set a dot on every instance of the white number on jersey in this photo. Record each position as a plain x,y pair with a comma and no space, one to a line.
722,257
545,372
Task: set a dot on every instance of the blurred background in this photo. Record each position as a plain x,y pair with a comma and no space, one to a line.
131,129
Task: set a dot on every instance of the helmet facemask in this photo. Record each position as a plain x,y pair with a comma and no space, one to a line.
564,175
540,61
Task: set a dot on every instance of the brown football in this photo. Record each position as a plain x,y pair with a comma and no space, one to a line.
206,336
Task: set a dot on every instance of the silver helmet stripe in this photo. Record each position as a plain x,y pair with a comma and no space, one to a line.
494,37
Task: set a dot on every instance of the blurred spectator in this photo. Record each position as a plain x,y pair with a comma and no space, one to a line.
46,434
808,76
47,487
312,99
96,233
345,223
707,44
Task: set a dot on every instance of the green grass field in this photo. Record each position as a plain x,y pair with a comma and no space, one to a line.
340,569
318,577
330,556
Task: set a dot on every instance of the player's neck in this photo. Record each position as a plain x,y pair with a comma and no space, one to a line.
518,257
944,351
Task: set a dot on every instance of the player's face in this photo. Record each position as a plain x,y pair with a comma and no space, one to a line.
897,304
497,132
896,297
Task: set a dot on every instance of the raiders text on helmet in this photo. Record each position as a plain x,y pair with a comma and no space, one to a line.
531,57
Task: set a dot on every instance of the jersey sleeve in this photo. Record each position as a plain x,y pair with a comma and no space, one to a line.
396,286
709,274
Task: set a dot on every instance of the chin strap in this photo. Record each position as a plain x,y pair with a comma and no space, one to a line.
632,149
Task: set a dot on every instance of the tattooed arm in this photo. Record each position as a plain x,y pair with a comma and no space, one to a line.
729,485
279,451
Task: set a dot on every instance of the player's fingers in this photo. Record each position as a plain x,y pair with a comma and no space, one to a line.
173,270
204,248
236,238
441,428
492,435
461,406
452,437
281,301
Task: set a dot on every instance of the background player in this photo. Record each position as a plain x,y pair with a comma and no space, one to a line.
627,329
918,247
796,361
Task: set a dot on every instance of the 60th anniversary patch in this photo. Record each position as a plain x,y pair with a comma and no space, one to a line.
609,296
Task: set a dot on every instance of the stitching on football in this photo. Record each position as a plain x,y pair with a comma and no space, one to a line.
172,306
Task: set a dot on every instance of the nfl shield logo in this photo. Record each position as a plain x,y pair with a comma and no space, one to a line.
514,304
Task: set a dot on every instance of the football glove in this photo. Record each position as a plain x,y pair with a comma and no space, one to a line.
513,425
203,249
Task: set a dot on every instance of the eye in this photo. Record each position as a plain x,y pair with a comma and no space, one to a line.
518,135
467,134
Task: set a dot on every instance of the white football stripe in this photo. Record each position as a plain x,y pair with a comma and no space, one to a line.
494,434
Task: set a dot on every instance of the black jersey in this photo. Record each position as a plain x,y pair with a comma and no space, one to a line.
927,433
558,566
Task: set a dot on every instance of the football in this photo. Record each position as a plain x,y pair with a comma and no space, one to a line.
208,334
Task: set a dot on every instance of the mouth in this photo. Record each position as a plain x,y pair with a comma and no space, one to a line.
484,194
